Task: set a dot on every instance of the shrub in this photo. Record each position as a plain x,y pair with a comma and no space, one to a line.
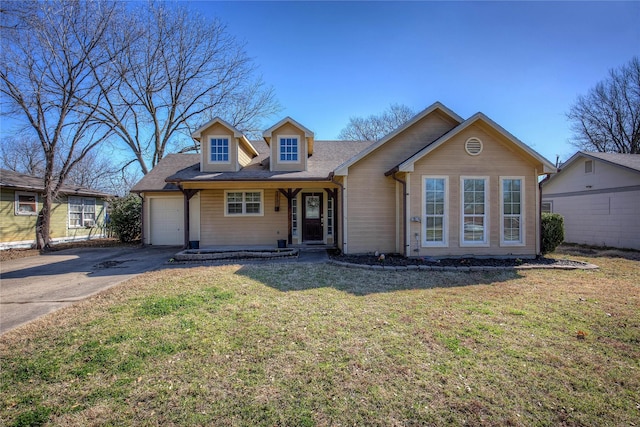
125,219
552,232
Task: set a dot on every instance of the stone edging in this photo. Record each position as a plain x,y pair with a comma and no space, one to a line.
242,254
462,269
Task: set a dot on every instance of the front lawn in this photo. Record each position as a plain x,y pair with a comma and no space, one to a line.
304,345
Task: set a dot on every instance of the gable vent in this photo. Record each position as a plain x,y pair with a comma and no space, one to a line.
473,146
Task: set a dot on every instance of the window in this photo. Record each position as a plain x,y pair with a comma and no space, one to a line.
434,223
330,216
294,216
474,211
512,210
26,203
219,150
82,212
588,166
288,148
547,206
248,203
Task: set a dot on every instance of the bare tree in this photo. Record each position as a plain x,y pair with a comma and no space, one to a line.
607,118
48,85
22,153
173,71
374,127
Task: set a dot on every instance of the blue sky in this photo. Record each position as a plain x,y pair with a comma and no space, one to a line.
521,63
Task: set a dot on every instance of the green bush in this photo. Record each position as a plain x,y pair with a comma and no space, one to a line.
552,232
125,219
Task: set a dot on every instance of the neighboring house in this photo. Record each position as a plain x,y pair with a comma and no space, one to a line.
598,194
78,213
438,186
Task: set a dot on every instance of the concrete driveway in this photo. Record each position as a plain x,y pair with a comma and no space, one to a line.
34,286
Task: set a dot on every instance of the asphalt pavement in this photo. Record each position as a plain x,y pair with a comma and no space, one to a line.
34,286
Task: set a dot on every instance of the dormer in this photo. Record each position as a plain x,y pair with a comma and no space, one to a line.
290,145
223,148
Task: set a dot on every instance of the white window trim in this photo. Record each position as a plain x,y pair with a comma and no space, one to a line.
82,219
487,203
17,203
521,242
244,203
329,216
445,221
295,221
550,205
297,137
219,162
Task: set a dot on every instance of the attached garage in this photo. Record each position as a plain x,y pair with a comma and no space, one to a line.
166,221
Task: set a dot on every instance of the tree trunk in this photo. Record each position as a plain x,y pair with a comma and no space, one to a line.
43,223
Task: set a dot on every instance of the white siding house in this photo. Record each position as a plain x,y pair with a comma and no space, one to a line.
598,194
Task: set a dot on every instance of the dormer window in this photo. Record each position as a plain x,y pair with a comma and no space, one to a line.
288,148
219,150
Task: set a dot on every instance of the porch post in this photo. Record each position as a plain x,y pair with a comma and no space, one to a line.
188,194
289,194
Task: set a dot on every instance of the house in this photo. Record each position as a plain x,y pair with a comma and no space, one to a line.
437,186
78,213
598,194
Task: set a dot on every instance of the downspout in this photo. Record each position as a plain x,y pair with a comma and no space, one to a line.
539,244
338,211
404,211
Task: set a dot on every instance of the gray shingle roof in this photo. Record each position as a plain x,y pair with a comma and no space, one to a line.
327,155
630,161
20,181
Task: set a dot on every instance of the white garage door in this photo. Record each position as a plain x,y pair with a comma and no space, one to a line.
167,221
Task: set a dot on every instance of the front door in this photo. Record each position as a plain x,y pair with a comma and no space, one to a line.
312,224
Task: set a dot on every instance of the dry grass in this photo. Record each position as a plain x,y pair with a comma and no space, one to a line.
303,345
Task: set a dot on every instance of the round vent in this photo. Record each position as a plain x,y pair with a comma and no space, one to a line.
473,146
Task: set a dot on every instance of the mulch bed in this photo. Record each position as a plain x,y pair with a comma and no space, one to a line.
396,260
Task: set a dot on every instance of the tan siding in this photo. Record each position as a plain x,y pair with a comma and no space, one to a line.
496,160
371,200
288,129
218,129
244,158
217,229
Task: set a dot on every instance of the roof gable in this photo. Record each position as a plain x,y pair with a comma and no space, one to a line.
408,165
308,134
628,162
236,133
436,106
